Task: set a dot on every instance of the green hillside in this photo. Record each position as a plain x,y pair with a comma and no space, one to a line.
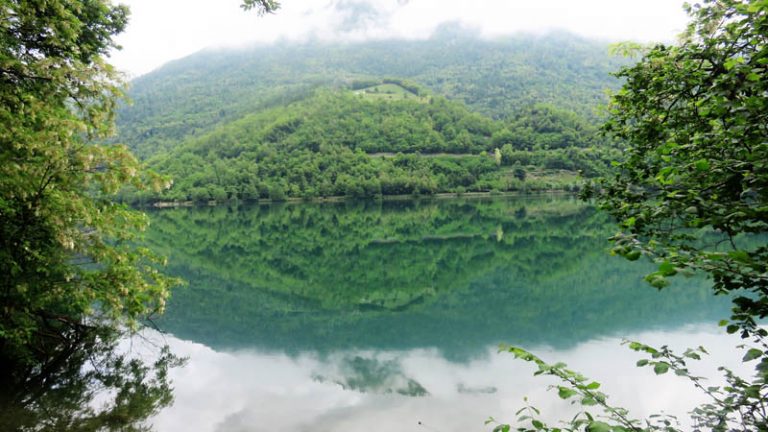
358,144
497,78
391,91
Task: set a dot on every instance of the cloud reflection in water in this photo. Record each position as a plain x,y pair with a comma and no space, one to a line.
361,390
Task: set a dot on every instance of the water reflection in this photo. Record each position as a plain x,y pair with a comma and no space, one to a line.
457,275
255,391
86,382
385,316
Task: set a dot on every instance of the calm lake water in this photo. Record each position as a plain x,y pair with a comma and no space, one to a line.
386,316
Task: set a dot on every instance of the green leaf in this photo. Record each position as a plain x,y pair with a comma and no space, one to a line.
641,363
594,385
537,424
661,368
702,165
732,62
752,354
740,256
692,355
598,426
636,346
657,281
753,392
565,392
667,269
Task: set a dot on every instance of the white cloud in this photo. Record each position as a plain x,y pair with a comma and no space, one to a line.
170,29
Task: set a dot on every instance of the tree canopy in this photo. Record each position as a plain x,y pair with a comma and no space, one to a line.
695,119
692,194
67,266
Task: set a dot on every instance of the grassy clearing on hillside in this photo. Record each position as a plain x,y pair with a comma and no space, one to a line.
389,92
554,179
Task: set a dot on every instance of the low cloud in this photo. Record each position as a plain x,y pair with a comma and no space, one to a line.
153,39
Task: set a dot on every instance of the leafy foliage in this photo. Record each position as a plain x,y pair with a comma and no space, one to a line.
692,194
694,117
66,268
261,6
738,405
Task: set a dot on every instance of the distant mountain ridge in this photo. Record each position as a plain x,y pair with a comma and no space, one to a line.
191,96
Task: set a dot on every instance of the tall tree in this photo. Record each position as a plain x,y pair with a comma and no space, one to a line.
71,278
66,263
692,194
693,190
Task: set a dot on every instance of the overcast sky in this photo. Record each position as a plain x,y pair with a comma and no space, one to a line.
160,31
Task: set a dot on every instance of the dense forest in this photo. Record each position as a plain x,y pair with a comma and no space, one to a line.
454,113
385,139
493,77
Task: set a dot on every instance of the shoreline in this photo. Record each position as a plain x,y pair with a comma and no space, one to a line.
343,198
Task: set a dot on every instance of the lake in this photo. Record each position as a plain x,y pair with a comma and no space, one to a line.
383,316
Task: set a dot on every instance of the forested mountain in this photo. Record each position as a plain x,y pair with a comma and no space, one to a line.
496,78
386,139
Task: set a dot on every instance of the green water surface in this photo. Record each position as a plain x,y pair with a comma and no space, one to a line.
457,275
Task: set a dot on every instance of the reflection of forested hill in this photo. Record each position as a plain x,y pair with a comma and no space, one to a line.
455,274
